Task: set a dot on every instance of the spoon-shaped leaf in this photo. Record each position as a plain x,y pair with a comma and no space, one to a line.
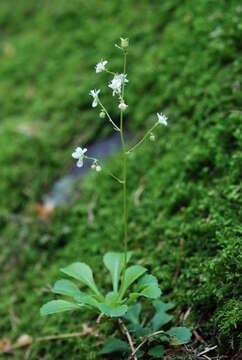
86,299
57,306
83,273
65,287
113,311
114,262
179,335
151,292
131,274
148,287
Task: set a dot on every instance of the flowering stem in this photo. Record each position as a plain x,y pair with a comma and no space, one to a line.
109,72
124,177
143,139
115,177
109,117
106,171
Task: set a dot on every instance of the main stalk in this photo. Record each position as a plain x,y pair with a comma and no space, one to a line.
125,214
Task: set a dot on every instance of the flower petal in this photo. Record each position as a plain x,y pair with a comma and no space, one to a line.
79,163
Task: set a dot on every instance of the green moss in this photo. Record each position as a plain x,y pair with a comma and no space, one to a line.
192,173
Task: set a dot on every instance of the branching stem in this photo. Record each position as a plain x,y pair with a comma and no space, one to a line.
109,117
143,139
106,171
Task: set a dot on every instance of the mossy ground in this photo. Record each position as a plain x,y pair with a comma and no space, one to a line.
185,58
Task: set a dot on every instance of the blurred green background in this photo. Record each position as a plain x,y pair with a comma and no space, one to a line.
184,60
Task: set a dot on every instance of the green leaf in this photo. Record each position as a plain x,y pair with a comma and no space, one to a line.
57,306
86,299
112,311
114,345
111,307
133,314
160,305
163,338
156,351
131,275
147,280
179,335
65,287
148,287
83,273
161,317
141,331
114,262
151,292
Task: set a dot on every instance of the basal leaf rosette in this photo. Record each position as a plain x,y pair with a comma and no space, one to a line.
127,286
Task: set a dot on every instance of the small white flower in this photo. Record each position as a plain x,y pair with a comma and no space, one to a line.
122,106
101,66
116,83
162,119
94,94
123,77
79,155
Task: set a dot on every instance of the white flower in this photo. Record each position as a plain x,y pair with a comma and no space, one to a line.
162,119
123,77
79,155
122,106
94,94
116,83
101,66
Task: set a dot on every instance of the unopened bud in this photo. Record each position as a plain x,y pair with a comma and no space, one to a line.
152,137
102,114
124,43
98,168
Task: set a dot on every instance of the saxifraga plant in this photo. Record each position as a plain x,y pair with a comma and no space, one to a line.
129,282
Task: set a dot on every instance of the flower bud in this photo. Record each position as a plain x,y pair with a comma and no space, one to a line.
122,106
98,168
152,137
102,114
124,43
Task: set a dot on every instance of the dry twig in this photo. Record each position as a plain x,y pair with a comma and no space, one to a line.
144,341
207,350
198,337
128,336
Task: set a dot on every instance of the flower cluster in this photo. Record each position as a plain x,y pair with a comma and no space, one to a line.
117,85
